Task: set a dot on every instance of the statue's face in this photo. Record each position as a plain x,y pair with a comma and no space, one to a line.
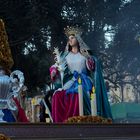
73,41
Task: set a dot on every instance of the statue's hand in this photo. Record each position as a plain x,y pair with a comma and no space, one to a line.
85,53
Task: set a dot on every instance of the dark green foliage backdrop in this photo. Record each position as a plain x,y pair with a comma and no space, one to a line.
40,23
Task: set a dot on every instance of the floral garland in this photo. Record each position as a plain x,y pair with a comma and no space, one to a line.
3,137
89,119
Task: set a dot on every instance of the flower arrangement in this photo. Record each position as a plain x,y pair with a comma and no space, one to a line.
3,137
89,119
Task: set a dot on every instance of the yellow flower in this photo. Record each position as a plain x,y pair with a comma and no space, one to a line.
33,101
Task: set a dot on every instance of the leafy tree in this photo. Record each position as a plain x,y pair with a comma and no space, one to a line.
111,29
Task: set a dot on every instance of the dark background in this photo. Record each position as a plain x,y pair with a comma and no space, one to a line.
111,30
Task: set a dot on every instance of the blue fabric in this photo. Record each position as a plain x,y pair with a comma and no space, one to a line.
87,87
8,116
103,106
86,83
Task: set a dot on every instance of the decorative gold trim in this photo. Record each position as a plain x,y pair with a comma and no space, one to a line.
72,31
3,137
6,59
89,119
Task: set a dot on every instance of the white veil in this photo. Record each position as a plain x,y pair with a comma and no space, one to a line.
83,46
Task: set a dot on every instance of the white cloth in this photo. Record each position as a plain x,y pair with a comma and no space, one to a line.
76,62
82,44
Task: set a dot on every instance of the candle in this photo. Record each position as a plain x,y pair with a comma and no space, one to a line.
47,110
33,102
93,102
80,94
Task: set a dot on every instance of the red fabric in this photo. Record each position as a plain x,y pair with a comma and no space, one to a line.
21,113
53,72
64,106
90,64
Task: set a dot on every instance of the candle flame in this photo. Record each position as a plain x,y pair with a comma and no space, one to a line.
79,80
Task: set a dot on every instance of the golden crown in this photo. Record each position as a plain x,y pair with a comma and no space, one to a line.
6,59
72,31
